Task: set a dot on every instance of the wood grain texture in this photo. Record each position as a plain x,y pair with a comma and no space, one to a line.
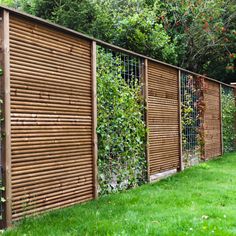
95,141
181,167
52,117
145,81
212,120
163,118
7,157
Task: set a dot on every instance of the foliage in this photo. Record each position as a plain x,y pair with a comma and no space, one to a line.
204,32
198,35
198,201
121,129
193,109
130,24
190,120
6,2
228,119
201,106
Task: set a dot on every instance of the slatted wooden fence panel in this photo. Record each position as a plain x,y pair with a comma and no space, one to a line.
212,120
163,118
51,118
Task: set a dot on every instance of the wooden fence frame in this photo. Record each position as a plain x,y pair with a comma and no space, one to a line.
6,12
180,125
6,129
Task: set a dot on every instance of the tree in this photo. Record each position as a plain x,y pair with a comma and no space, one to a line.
198,35
204,32
128,24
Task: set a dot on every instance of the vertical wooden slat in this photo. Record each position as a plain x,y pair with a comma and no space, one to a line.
235,114
181,166
2,221
94,88
234,85
221,123
146,115
7,119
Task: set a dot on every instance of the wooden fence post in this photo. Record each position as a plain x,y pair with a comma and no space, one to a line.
6,129
221,123
234,85
146,115
94,118
235,114
181,166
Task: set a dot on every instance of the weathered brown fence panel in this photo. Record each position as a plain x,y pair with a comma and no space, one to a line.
212,120
51,118
163,118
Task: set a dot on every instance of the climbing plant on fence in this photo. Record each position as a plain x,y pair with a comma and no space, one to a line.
228,118
192,113
190,119
201,88
121,129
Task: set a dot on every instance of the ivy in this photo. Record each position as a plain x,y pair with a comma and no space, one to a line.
190,120
228,119
193,109
121,129
201,87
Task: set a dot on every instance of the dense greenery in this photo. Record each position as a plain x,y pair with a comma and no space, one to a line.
190,122
198,201
228,119
121,129
199,35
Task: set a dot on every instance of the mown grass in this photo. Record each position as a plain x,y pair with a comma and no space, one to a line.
198,201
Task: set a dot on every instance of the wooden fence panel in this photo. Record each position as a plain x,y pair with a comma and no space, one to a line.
163,118
51,118
212,120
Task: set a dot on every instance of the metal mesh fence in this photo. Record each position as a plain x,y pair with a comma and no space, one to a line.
228,118
121,128
132,67
190,120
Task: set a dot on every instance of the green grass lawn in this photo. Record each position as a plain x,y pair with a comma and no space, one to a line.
199,201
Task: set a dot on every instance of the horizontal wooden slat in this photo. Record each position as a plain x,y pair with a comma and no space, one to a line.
163,118
212,133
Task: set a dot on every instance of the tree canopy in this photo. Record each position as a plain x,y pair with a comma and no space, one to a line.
199,35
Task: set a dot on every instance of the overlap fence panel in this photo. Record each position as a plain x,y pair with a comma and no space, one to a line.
163,118
212,120
51,118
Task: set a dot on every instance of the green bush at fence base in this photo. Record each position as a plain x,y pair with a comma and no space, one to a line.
121,129
228,119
